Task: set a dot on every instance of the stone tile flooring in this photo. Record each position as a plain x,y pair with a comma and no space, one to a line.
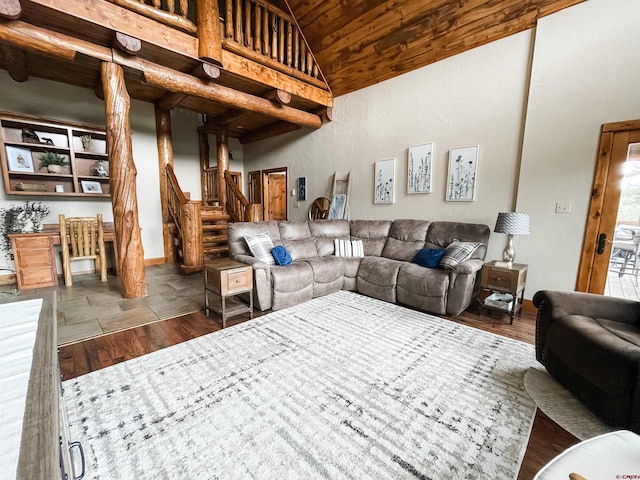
91,308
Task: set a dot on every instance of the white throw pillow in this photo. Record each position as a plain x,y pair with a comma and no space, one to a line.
348,248
260,246
458,252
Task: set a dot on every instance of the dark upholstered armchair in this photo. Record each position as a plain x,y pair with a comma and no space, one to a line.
591,345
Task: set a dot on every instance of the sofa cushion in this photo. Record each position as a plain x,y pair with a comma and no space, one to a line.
291,285
236,231
328,274
458,252
406,238
377,277
260,246
429,257
423,288
326,231
296,238
373,234
441,234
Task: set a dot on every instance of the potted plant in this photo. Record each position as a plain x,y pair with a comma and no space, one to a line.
23,218
53,161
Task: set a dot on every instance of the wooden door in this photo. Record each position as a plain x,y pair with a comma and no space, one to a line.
613,152
274,186
255,187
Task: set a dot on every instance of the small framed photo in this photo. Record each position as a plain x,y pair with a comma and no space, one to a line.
461,177
384,181
419,168
302,188
19,159
91,187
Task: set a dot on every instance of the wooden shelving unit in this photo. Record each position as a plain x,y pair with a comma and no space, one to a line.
20,157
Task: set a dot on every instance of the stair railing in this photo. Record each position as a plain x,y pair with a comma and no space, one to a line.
187,217
211,195
238,207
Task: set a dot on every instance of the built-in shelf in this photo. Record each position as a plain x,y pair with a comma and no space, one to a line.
24,139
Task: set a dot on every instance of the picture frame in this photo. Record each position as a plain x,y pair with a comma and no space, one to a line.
384,179
89,186
19,159
462,174
302,188
419,168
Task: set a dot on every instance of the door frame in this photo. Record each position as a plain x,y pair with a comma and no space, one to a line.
266,192
605,197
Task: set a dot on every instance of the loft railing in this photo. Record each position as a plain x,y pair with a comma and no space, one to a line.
187,218
254,29
210,183
237,206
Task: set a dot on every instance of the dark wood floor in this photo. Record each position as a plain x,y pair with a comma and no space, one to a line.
547,438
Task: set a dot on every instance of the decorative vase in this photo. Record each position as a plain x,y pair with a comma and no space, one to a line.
54,168
99,169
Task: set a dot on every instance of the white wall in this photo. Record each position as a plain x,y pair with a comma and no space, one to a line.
62,102
586,72
476,98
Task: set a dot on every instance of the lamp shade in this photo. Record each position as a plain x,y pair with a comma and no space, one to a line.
514,223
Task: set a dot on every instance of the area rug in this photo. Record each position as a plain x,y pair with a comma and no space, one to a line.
340,387
561,406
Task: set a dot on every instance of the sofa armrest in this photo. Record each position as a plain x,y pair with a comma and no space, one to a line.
552,305
251,260
468,267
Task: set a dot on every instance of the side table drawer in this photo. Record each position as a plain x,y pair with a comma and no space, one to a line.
493,278
236,281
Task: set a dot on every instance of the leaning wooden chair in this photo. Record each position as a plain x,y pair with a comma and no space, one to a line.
82,238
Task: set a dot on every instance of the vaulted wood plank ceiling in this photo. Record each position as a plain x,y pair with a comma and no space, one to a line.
361,42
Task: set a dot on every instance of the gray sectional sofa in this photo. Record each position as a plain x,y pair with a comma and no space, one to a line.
385,272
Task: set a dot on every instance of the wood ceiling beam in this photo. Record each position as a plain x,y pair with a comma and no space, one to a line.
178,82
272,130
111,16
206,71
170,100
279,96
211,127
15,61
10,9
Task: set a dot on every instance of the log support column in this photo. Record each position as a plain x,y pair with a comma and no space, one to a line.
223,165
165,157
122,181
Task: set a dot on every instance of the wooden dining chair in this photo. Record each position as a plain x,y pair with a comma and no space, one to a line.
82,238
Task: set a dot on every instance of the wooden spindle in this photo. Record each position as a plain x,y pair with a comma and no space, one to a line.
257,40
281,39
228,20
274,36
238,22
184,9
315,70
248,36
171,6
265,32
296,48
309,60
289,43
156,3
303,56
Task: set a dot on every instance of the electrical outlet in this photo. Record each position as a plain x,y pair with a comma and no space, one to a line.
296,204
563,207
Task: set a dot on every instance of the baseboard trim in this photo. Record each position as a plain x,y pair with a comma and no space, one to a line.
529,306
154,261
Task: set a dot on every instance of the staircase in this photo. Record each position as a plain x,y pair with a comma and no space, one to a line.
214,232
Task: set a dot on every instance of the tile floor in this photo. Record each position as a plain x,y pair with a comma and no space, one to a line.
92,308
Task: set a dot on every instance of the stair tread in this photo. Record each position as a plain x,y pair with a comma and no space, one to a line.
224,248
219,226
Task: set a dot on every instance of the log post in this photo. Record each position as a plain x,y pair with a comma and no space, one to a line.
165,157
10,9
15,61
209,39
203,151
223,165
122,181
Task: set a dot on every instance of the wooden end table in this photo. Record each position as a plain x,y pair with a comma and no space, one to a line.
497,278
224,281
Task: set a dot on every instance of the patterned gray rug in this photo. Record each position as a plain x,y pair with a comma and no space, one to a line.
341,387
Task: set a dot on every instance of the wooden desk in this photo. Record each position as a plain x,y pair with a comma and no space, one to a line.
34,255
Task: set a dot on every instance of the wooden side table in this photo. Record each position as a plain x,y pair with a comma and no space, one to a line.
495,278
33,258
224,281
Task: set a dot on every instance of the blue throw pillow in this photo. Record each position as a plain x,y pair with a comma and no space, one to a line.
429,257
280,255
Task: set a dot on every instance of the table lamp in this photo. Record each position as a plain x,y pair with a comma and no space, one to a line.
511,223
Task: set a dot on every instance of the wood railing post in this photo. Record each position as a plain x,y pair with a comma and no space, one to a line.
122,181
209,39
223,164
203,151
165,157
193,249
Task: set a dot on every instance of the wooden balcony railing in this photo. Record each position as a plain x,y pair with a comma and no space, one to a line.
238,207
186,216
254,29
